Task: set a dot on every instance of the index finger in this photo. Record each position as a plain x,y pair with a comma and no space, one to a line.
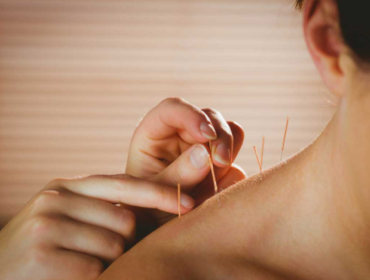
174,114
127,190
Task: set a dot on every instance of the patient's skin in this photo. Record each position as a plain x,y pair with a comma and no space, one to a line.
308,218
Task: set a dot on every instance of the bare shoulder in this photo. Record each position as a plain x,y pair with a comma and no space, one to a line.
215,241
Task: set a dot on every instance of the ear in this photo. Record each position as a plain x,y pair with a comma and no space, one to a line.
324,41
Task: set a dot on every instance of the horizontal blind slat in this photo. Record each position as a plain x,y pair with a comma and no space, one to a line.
77,76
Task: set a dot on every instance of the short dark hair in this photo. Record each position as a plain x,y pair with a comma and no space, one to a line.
299,4
355,25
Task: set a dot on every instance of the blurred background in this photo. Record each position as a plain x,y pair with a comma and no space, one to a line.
76,76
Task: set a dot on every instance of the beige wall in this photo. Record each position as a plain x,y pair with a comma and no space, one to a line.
76,77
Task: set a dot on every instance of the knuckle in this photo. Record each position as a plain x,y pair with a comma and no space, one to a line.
173,100
94,269
55,182
40,225
45,199
227,131
38,257
129,219
126,219
235,125
176,174
210,111
117,247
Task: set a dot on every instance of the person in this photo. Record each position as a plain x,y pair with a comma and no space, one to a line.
308,217
72,228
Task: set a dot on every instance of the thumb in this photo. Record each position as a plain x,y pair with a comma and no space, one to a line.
189,169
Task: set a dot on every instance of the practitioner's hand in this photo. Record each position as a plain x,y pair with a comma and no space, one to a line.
72,228
171,146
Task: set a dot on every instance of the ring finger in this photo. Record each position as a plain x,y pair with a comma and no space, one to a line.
91,211
84,238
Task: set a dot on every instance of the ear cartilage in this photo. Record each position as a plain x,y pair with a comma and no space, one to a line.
178,199
258,158
282,147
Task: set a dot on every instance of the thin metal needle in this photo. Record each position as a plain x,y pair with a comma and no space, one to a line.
286,129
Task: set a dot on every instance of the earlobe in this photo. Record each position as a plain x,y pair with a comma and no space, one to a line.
324,41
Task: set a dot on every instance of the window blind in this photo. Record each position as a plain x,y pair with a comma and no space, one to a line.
77,76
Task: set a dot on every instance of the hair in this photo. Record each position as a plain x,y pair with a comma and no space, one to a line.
355,25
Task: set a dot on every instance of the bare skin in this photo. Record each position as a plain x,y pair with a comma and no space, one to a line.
72,229
304,219
170,147
307,218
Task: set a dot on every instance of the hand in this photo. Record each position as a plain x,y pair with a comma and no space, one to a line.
171,146
72,227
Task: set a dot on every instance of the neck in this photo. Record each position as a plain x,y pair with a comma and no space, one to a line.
318,204
308,218
323,210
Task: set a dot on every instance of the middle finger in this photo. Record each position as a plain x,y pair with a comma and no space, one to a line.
91,211
222,147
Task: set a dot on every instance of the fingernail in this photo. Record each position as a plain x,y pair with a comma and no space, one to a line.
222,154
199,156
187,201
208,131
